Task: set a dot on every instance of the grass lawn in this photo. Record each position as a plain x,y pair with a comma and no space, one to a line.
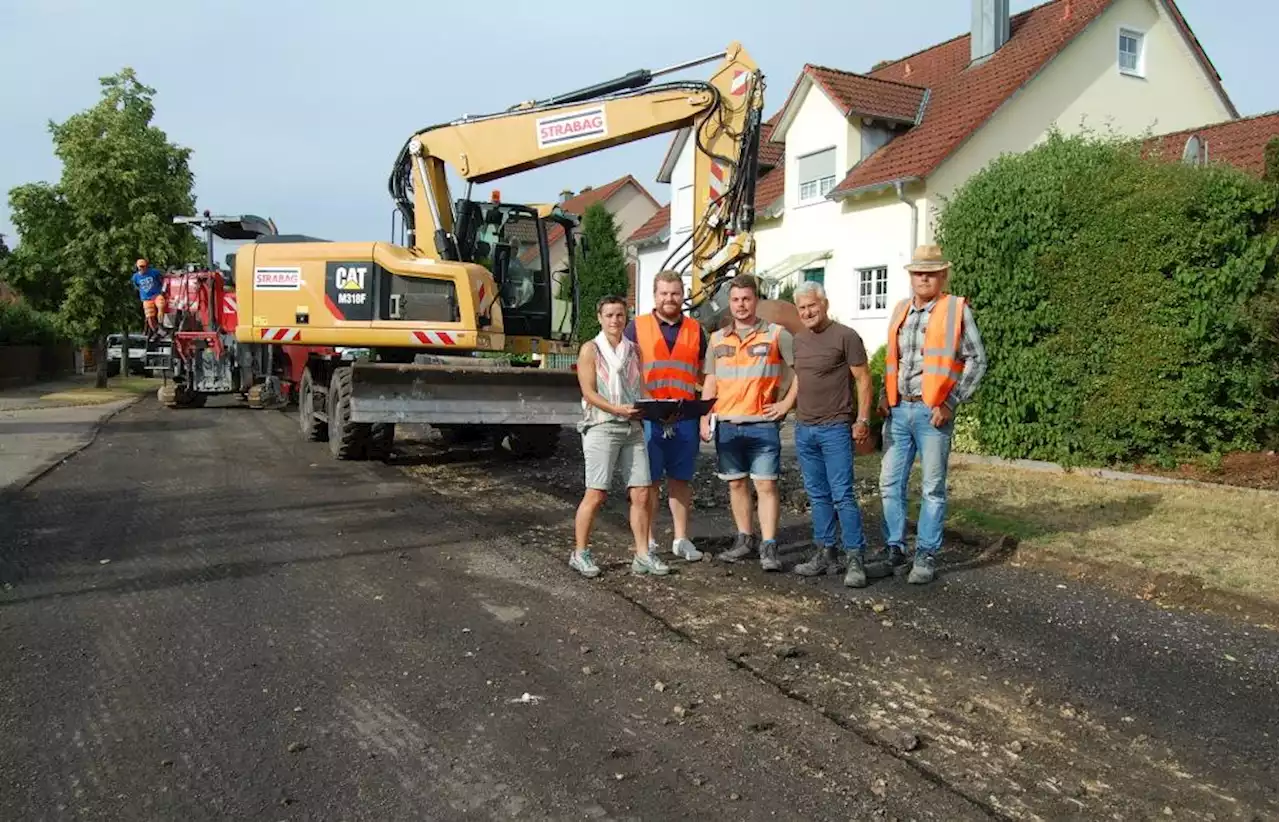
1224,539
117,388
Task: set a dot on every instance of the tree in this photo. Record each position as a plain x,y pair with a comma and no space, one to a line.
1271,156
122,184
602,270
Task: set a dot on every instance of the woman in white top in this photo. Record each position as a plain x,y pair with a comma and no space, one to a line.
612,437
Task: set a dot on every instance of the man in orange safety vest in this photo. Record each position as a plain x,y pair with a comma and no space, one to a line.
672,348
934,361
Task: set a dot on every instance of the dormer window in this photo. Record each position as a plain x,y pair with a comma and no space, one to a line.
816,173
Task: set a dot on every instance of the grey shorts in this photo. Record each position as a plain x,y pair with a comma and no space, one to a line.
611,446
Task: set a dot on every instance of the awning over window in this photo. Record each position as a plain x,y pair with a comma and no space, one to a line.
782,270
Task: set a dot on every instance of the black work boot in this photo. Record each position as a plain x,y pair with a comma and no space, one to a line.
886,563
769,555
824,560
855,575
742,548
923,569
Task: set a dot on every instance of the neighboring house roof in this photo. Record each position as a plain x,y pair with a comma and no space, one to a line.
962,96
654,226
1240,143
578,204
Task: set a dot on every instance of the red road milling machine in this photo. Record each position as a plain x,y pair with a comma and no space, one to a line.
204,357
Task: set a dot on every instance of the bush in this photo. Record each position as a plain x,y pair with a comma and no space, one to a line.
1128,305
20,324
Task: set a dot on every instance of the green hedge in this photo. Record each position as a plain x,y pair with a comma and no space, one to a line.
22,325
1128,305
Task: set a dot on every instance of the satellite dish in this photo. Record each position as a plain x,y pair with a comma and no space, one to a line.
1195,152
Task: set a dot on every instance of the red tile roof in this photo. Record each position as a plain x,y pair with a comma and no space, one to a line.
1240,143
770,153
869,96
652,226
578,205
963,97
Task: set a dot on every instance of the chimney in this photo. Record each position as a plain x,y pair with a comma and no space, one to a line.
990,28
565,195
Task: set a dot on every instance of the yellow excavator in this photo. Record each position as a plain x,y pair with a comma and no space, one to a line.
473,281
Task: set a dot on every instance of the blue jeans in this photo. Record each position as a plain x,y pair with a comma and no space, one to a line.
907,432
826,463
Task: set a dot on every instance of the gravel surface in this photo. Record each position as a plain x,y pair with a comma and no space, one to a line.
1051,683
202,617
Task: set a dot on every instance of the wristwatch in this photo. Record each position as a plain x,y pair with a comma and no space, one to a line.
863,421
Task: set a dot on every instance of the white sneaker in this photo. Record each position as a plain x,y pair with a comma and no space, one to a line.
653,545
582,562
685,549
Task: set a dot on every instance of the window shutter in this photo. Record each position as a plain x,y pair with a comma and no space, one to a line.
817,165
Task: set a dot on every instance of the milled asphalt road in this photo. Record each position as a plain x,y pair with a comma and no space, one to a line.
203,617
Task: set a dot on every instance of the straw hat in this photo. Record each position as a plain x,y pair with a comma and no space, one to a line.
928,258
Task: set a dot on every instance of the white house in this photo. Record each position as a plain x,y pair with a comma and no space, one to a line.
854,166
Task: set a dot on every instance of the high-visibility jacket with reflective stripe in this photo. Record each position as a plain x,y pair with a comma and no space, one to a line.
669,374
942,365
748,371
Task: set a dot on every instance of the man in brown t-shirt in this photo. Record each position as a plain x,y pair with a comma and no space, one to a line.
829,360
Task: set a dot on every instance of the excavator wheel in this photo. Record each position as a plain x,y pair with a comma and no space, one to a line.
313,430
347,440
382,435
191,399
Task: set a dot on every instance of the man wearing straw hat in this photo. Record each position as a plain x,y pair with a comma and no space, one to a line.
934,360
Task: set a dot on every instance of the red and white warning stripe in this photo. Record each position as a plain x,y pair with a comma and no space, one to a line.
280,334
719,183
433,338
738,86
229,303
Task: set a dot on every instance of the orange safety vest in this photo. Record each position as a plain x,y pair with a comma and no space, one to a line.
942,365
669,374
748,371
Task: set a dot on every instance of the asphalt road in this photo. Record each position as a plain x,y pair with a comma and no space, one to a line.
203,617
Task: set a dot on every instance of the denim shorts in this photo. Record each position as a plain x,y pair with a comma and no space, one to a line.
753,448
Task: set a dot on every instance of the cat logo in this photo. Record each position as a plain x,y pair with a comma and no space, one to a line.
350,278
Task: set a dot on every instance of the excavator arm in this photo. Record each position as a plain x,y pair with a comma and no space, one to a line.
723,115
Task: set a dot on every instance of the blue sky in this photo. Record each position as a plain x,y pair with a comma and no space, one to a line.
295,110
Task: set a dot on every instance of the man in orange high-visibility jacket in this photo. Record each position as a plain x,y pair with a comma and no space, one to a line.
746,364
934,360
672,348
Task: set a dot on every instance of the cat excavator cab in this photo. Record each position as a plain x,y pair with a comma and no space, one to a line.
441,314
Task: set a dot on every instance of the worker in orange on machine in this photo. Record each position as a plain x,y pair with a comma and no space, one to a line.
150,285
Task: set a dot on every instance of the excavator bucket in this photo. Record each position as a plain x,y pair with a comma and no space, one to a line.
451,393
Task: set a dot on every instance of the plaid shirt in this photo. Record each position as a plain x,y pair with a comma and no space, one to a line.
911,355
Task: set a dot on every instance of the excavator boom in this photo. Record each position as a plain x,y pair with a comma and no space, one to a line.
724,114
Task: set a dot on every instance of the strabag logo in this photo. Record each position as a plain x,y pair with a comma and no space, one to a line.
569,128
277,279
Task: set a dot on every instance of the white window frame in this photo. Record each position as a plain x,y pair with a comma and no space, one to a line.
818,187
682,210
871,276
1140,37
